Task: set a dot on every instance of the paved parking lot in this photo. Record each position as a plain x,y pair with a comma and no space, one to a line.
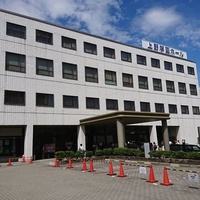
42,181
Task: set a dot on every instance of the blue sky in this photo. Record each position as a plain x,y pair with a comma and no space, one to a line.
174,23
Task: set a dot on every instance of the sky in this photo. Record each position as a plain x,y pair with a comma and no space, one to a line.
174,23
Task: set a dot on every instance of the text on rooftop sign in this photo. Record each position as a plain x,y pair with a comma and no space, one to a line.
163,49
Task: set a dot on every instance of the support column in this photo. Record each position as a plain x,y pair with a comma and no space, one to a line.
165,135
153,134
81,137
28,141
120,133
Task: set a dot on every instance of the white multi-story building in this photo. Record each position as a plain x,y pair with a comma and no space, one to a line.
60,87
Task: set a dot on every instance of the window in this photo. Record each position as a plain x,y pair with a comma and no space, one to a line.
125,56
168,65
111,104
68,43
45,100
172,108
143,82
155,63
184,109
69,71
141,60
157,84
91,74
179,68
145,106
92,103
44,67
182,88
15,62
170,86
16,30
129,105
127,80
70,101
193,89
110,78
14,98
159,107
195,110
90,48
109,53
190,70
44,37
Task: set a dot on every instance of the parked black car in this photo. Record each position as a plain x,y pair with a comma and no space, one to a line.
185,147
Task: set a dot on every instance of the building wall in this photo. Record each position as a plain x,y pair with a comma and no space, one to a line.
31,83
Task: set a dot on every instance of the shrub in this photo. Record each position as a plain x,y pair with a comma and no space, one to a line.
99,153
79,154
69,154
108,151
89,153
59,154
193,155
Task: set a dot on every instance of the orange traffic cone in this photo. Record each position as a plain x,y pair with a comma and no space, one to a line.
31,160
56,164
121,171
9,162
151,175
91,166
23,159
111,171
69,166
165,178
84,168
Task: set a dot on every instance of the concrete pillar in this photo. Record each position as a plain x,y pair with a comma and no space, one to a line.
28,141
165,135
153,134
120,133
81,137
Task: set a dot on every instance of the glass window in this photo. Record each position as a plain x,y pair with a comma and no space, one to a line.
190,70
184,109
143,82
127,80
155,63
172,108
14,98
45,100
70,101
193,89
145,107
129,105
159,107
168,65
15,62
92,103
90,48
44,37
44,67
170,86
91,74
16,30
141,60
68,43
179,68
125,56
110,77
70,71
182,88
157,84
195,110
109,53
111,104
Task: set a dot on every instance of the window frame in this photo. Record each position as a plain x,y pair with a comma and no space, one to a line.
48,99
127,80
113,77
109,52
20,59
195,110
14,98
190,70
111,104
71,68
172,108
70,101
180,68
193,89
145,106
92,103
68,43
155,63
184,109
92,48
143,82
15,30
44,37
126,56
91,74
170,86
129,105
182,90
40,67
168,66
157,84
159,107
141,60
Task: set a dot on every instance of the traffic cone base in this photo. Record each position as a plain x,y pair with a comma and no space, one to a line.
121,171
111,172
31,160
23,159
91,166
9,162
84,168
151,176
56,164
165,178
69,166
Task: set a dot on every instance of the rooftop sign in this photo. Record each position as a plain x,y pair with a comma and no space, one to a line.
163,49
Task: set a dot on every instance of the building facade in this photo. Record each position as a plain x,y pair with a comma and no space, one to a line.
52,77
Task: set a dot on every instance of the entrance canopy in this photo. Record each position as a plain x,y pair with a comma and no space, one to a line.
126,117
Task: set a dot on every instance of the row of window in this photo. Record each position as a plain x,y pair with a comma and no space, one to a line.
47,100
17,63
70,43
